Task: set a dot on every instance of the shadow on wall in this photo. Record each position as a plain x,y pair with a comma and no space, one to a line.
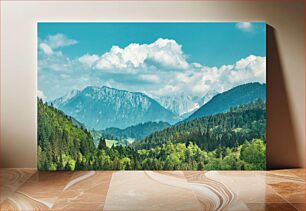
281,141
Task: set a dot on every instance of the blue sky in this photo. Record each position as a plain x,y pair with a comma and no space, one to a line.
212,44
74,55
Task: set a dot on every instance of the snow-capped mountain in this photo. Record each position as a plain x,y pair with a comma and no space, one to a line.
207,97
103,107
178,104
184,104
65,98
223,102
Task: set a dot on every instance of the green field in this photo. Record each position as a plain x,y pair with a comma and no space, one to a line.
110,143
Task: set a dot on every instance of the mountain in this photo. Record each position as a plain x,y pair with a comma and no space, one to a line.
238,95
207,97
137,132
103,107
231,129
179,104
65,98
183,104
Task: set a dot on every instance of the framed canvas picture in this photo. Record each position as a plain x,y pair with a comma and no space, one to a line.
151,96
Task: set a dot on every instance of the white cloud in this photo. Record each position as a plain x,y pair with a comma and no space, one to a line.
50,55
59,40
252,68
249,69
245,26
157,69
55,61
88,60
199,79
131,57
150,78
41,95
46,48
164,53
168,53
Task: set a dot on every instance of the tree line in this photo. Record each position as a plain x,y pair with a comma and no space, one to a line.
230,129
64,145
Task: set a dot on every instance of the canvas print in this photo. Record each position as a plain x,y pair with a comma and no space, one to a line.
151,96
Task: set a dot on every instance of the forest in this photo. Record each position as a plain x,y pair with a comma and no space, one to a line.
232,140
230,129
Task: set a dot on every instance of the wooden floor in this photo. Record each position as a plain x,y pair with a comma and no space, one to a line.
28,189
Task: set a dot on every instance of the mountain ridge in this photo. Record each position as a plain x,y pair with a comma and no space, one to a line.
223,102
138,131
205,131
183,104
103,107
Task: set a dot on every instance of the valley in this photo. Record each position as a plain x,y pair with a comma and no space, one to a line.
110,129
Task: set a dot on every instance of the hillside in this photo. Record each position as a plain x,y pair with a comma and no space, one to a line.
137,132
230,129
65,146
236,96
62,145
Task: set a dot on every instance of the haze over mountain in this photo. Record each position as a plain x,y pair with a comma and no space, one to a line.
104,107
207,97
183,104
236,96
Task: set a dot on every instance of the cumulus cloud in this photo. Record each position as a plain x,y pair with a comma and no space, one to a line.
164,53
245,26
89,60
199,80
156,69
246,70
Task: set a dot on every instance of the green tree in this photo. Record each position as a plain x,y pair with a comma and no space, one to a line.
125,163
102,144
254,154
